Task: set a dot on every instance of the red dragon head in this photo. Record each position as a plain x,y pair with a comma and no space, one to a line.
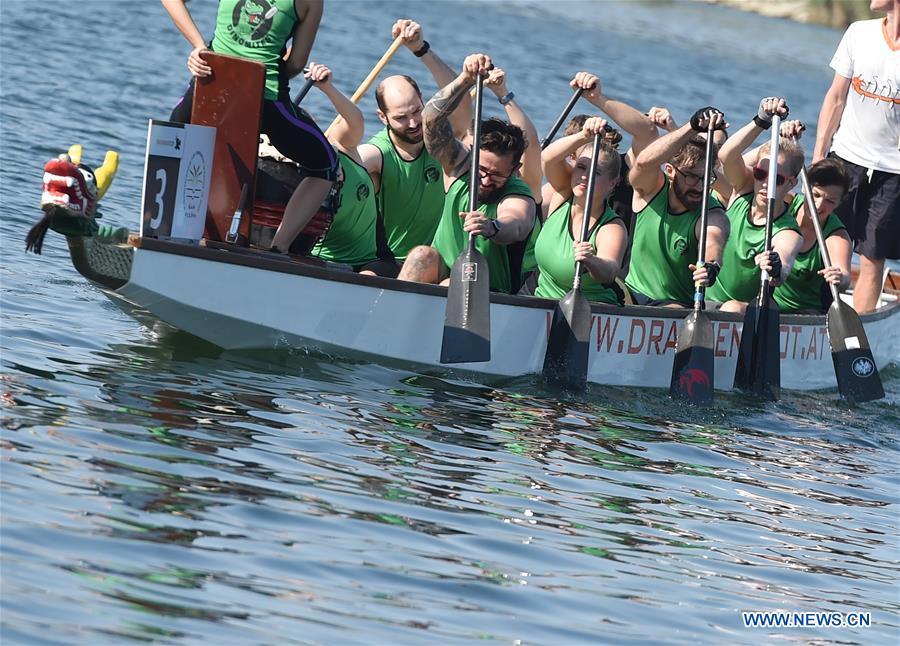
69,185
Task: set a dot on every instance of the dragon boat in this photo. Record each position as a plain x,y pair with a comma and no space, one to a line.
211,276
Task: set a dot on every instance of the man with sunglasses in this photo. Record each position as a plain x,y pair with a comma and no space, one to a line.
667,206
744,256
506,208
861,113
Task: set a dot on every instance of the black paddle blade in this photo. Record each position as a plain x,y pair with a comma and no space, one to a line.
857,376
566,359
759,355
467,322
692,371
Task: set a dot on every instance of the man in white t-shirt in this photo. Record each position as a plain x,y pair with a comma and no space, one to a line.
861,112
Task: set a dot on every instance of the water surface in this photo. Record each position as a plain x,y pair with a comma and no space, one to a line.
157,489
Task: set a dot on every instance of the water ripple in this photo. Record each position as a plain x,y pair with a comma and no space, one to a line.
157,489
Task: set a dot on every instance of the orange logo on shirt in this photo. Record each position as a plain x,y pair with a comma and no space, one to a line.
858,84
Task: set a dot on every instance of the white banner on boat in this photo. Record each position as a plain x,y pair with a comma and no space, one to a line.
177,173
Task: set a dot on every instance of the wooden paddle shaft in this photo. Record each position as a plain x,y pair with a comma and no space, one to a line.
772,184
367,82
562,117
820,236
589,201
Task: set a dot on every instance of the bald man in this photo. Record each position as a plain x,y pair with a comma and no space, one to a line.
408,181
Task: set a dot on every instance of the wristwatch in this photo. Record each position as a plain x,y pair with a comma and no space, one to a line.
419,53
506,98
496,225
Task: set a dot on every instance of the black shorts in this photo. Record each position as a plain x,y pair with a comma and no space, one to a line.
871,212
643,299
384,267
290,130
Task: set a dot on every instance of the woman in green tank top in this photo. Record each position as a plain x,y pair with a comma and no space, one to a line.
744,257
260,31
806,289
556,250
351,239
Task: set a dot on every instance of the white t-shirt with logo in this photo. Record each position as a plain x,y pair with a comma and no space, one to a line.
869,133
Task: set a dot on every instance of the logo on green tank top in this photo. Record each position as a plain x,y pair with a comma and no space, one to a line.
432,174
251,22
681,246
362,191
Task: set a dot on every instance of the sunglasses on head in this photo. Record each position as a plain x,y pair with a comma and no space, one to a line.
761,173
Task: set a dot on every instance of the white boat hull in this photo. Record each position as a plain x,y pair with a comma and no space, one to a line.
248,304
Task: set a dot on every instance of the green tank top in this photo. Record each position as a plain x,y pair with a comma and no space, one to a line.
556,258
529,260
257,31
450,239
804,286
663,248
739,278
411,196
351,238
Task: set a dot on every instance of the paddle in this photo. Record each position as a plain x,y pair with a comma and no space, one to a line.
562,117
233,230
566,358
854,367
304,91
693,367
758,364
467,320
367,82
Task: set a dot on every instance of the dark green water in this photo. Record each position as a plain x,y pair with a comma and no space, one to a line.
156,489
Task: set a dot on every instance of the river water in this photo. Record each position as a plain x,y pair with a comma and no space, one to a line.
156,489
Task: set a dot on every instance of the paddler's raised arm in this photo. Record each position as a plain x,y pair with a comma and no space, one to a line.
736,170
443,74
439,139
348,132
631,120
555,156
645,176
178,12
530,171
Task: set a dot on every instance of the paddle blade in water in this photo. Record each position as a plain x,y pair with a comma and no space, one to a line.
467,322
566,359
857,376
759,355
692,372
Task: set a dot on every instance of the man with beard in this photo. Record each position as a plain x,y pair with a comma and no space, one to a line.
408,180
506,208
667,205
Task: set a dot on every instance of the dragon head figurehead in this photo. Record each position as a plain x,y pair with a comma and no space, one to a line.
71,191
75,186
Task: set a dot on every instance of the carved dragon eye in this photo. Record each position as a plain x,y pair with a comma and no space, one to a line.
91,182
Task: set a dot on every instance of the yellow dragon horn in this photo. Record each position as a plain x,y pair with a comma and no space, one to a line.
75,153
105,173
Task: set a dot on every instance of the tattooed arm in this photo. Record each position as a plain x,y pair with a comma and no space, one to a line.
439,139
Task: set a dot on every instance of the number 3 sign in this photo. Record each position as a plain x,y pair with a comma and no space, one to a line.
177,174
